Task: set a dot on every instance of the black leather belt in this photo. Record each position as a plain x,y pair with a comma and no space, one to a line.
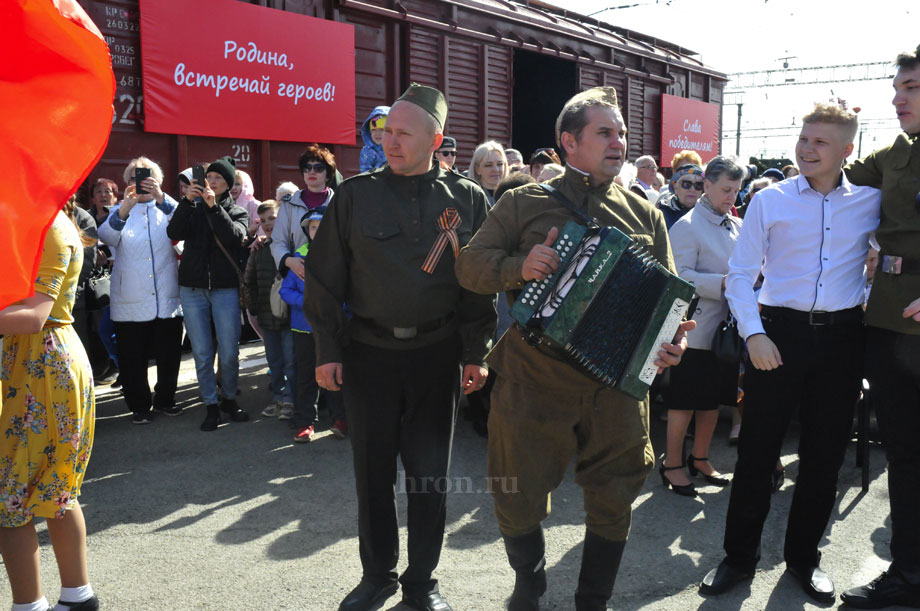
815,319
407,332
890,264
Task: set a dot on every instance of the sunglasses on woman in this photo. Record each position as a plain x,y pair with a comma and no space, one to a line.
314,167
691,184
448,153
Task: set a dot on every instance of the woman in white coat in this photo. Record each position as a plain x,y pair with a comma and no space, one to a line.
145,292
702,242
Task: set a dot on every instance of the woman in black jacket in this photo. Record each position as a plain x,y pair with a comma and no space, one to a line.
209,287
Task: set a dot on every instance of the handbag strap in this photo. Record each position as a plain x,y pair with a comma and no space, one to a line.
588,220
236,267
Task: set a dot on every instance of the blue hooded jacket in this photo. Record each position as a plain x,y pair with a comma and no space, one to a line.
372,156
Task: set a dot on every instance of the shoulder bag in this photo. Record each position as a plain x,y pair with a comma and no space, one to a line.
244,294
727,345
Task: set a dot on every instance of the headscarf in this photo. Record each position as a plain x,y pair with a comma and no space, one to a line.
247,200
688,169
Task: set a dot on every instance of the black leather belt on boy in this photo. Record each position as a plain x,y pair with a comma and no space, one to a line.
815,319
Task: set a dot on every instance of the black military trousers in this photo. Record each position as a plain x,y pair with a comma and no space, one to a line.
137,341
401,403
893,370
820,377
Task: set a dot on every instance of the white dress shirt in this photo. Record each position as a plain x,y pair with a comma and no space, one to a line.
811,247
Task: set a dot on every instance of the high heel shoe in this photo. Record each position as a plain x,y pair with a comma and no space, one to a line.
685,490
715,480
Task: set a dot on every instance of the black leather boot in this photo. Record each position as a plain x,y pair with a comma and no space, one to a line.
526,556
212,419
600,562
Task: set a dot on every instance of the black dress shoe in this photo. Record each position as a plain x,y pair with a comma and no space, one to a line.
431,602
682,490
814,581
90,604
232,409
888,589
367,595
722,579
715,480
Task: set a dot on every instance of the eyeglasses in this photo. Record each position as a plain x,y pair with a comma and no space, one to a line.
646,167
314,167
448,153
692,184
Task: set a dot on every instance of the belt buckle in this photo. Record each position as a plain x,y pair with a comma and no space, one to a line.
891,264
814,322
405,332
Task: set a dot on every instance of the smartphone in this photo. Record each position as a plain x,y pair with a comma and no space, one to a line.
198,176
139,175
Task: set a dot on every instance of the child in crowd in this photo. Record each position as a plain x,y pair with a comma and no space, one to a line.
279,343
306,397
372,156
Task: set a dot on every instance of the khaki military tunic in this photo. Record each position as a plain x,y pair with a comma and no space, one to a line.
369,252
895,170
544,411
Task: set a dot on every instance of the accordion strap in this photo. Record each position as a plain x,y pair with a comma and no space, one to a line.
588,220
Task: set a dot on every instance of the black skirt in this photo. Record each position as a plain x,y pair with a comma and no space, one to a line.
700,382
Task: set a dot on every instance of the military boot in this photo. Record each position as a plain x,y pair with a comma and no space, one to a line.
525,554
600,562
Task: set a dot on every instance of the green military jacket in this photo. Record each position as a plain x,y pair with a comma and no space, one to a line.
895,170
493,260
369,251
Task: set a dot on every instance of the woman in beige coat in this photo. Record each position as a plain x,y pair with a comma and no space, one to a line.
702,241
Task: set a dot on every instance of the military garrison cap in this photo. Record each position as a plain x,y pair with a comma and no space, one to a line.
429,98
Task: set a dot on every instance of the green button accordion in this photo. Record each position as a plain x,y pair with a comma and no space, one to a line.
608,307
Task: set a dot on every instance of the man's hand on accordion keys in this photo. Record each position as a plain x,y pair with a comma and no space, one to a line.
542,260
670,354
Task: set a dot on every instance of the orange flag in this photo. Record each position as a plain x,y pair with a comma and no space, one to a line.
56,91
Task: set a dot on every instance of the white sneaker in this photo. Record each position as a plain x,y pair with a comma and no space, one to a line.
271,410
287,411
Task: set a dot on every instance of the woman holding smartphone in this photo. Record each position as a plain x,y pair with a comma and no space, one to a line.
144,299
214,230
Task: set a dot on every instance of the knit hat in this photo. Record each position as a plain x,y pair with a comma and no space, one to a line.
428,98
226,167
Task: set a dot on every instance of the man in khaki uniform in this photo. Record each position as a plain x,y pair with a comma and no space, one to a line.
386,247
893,339
544,411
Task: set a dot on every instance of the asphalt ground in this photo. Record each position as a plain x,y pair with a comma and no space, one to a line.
243,518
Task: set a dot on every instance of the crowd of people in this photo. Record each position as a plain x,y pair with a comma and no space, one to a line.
387,312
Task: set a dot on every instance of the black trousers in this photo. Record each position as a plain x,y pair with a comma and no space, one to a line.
893,370
820,377
137,341
401,403
306,390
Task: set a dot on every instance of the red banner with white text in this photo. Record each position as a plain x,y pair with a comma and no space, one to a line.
688,125
235,70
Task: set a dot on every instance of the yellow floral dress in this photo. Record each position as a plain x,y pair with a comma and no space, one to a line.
48,409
